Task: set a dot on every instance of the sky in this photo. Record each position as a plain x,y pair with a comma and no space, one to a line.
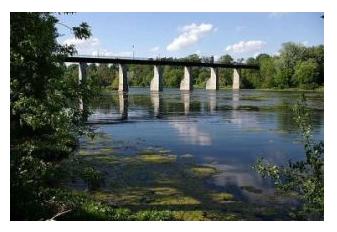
240,35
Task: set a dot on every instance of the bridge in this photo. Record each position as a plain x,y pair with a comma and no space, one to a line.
156,82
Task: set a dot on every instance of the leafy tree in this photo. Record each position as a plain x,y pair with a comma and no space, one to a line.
306,74
290,55
192,58
45,112
267,71
172,76
317,53
250,78
225,75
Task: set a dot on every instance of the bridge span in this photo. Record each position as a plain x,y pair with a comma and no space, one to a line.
156,82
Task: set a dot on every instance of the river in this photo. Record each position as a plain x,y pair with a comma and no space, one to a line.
227,129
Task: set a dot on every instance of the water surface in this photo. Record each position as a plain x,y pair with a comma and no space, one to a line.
227,129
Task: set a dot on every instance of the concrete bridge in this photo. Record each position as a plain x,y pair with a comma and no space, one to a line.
156,82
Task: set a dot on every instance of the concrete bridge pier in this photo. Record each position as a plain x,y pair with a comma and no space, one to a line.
213,82
157,83
236,79
82,77
186,82
122,78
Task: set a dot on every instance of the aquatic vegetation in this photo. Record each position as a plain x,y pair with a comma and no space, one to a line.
81,206
203,171
153,185
154,215
222,197
156,157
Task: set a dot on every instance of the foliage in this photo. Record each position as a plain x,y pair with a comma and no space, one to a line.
92,177
154,215
67,205
306,177
46,117
306,74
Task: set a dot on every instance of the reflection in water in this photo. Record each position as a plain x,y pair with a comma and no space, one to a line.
212,100
236,99
191,134
156,102
123,105
233,178
186,98
244,119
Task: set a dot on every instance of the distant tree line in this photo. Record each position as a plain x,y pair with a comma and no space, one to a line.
295,66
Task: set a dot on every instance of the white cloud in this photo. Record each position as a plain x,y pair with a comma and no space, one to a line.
83,46
92,46
190,35
154,49
246,46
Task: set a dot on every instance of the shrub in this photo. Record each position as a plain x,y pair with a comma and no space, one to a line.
92,177
306,177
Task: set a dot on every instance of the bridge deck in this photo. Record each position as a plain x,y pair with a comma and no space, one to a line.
118,60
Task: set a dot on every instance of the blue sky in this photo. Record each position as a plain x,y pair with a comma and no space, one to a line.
181,34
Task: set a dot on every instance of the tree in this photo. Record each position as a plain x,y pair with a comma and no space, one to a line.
317,53
306,74
44,108
172,76
290,55
225,75
267,71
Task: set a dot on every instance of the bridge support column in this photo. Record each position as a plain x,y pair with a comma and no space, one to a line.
82,72
122,78
236,79
186,82
156,83
82,77
213,82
